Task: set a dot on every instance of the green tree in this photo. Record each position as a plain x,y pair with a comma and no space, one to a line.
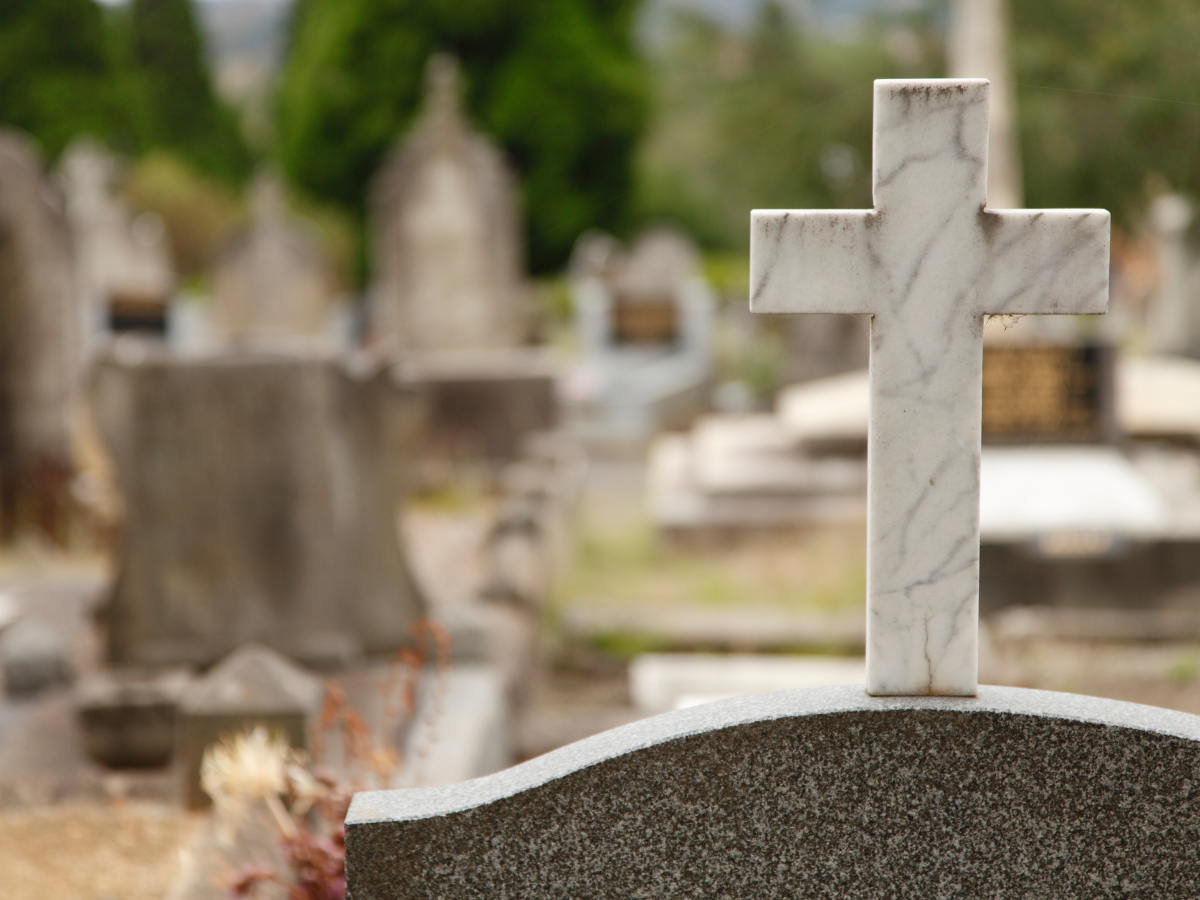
171,93
773,117
1082,146
557,82
54,71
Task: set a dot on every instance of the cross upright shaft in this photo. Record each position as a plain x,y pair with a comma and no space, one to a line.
927,264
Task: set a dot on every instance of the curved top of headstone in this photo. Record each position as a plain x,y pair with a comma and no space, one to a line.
416,803
823,792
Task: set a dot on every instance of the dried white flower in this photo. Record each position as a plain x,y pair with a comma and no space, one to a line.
245,769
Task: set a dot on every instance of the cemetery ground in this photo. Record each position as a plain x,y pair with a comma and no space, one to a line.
71,830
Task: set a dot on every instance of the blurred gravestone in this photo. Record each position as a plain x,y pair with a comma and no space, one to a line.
253,686
124,262
446,233
272,280
39,341
260,495
448,293
644,320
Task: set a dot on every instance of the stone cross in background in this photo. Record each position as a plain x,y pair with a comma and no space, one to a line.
927,264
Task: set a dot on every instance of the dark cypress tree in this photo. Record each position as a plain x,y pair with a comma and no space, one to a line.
557,82
54,72
181,111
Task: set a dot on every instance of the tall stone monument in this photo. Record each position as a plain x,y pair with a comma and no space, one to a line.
447,296
260,495
272,280
39,339
837,792
446,234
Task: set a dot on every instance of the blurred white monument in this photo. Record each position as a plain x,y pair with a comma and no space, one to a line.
644,321
124,261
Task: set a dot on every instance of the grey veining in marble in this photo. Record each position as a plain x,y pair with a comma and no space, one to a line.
927,264
821,792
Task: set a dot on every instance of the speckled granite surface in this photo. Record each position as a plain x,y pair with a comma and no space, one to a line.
812,794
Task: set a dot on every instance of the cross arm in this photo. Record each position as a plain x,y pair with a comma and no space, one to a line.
812,261
1052,261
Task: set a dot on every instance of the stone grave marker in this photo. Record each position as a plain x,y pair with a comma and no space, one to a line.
644,320
253,686
927,264
448,292
272,280
837,791
126,277
260,494
446,233
39,342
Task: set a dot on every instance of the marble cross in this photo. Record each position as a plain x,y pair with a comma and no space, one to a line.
927,264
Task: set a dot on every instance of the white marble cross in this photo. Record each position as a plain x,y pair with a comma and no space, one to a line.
927,264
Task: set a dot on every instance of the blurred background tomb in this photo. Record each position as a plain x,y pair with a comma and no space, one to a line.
123,260
272,281
40,347
449,293
644,320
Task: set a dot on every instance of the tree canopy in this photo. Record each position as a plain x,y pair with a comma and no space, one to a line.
1108,101
170,92
54,71
557,82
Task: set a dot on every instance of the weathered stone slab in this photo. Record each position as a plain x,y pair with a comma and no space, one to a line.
661,682
483,405
260,495
816,793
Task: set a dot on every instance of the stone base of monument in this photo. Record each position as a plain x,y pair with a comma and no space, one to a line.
127,715
823,792
482,406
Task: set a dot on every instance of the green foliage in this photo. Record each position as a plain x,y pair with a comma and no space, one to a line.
167,85
198,212
54,71
555,81
773,118
1091,149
